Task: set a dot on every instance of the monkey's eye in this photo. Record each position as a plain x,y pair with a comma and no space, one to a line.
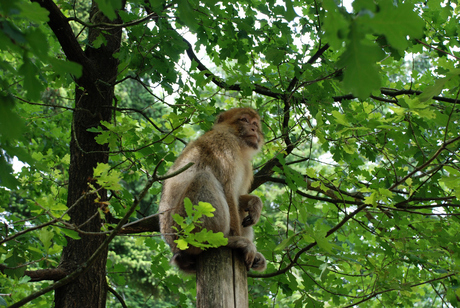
244,120
255,124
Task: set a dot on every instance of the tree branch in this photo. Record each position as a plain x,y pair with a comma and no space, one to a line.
438,49
147,224
310,246
423,166
42,274
394,93
312,60
220,82
389,290
118,296
105,25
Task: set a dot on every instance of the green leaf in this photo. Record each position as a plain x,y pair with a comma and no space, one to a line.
372,199
433,90
12,32
290,13
31,83
426,113
188,207
336,26
178,219
349,148
70,233
438,86
11,125
66,67
452,180
6,177
34,12
285,243
319,236
45,236
107,137
396,23
109,7
15,261
361,75
109,179
204,208
422,109
186,232
186,14
99,41
38,42
181,244
275,55
213,239
340,117
323,243
385,192
294,179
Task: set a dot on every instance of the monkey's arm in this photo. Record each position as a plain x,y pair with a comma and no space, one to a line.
250,208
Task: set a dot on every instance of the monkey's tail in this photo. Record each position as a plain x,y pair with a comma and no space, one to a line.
185,261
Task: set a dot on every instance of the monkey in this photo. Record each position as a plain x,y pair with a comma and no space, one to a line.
221,175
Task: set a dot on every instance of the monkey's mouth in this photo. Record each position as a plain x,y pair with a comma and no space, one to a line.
252,140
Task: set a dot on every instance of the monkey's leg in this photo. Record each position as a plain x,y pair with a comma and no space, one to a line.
258,263
206,188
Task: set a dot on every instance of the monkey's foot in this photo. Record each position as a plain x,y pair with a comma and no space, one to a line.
259,263
186,262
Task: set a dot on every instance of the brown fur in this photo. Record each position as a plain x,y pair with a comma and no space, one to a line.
221,175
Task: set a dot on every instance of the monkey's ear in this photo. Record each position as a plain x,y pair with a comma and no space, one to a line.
220,118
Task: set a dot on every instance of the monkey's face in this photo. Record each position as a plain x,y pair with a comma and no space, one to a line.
248,128
244,123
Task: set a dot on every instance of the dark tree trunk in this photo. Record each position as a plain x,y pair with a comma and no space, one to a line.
93,102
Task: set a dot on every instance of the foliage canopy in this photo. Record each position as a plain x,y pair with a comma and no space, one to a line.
359,176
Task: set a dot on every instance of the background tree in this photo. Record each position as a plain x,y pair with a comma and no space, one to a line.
359,177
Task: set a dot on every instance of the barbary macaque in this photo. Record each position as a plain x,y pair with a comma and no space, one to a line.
221,175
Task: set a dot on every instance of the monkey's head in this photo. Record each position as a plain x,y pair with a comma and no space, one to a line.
245,124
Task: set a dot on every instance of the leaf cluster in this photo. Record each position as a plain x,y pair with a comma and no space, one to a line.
187,227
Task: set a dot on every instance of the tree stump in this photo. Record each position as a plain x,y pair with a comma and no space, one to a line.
221,279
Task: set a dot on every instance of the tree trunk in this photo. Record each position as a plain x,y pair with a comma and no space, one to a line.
221,279
93,104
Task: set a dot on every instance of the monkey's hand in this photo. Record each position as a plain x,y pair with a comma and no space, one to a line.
252,205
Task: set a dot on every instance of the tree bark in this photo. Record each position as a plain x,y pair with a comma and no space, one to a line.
93,102
221,279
